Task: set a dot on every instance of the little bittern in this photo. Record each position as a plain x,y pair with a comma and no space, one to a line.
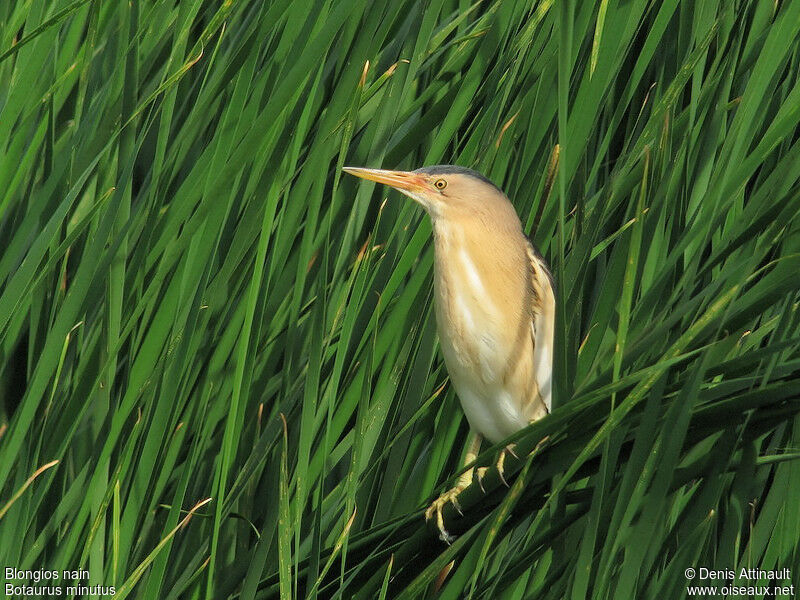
494,305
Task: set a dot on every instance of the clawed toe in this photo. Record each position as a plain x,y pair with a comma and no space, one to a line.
501,461
501,475
436,509
500,464
481,473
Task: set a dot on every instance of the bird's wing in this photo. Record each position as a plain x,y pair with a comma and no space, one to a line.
542,323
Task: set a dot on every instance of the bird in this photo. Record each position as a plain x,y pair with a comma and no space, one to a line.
494,303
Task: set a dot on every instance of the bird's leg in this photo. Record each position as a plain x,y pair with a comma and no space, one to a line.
450,495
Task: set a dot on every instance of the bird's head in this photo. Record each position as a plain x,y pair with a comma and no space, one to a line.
443,190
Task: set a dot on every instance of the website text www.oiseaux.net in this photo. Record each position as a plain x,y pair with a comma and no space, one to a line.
751,582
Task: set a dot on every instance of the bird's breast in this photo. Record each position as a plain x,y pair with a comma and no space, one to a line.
484,324
481,297
467,316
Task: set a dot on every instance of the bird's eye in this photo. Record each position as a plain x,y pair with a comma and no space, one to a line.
440,184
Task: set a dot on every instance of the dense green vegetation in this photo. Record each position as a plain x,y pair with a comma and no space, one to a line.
219,373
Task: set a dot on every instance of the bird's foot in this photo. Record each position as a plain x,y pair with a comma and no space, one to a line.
436,507
480,472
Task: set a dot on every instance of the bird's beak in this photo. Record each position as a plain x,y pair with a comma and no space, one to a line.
403,181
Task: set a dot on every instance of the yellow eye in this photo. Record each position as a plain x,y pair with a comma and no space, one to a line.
440,184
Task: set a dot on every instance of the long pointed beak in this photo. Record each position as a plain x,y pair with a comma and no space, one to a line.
400,180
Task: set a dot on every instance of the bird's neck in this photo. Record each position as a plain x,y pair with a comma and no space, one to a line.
489,246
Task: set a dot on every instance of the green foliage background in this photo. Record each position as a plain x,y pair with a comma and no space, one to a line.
197,306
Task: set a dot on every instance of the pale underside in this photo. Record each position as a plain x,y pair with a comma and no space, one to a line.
494,312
